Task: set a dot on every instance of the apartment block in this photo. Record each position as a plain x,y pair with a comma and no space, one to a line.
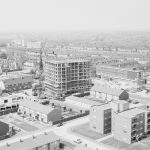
146,108
100,118
129,125
66,76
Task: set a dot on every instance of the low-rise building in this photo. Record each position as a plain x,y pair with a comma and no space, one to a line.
47,141
129,125
80,102
100,118
112,72
4,130
39,112
108,93
15,81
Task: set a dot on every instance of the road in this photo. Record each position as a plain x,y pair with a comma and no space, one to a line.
63,132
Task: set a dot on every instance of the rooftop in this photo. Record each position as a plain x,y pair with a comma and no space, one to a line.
83,100
103,106
36,106
107,90
64,60
10,75
131,113
31,142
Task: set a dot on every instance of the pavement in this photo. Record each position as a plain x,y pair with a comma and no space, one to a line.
64,133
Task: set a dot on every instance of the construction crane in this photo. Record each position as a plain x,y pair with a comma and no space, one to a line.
38,87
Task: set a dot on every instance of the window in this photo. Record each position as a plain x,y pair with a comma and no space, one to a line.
5,101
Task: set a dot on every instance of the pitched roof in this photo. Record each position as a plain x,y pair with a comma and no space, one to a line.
36,106
31,142
107,90
83,100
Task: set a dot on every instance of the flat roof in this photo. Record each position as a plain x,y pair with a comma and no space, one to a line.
65,60
31,142
103,106
36,106
131,112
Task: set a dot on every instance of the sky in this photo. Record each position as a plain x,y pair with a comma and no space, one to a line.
55,15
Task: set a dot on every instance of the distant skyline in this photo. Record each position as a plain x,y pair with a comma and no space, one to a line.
69,15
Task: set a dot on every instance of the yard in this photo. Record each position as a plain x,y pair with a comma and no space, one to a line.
23,125
142,145
84,130
115,143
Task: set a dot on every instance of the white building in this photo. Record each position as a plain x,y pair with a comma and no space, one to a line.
39,112
107,93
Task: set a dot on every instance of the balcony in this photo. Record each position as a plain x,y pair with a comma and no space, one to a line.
133,133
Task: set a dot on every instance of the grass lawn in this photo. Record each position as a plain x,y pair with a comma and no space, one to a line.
115,143
24,126
123,146
85,130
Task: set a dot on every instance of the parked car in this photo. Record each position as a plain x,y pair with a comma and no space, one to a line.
60,124
78,141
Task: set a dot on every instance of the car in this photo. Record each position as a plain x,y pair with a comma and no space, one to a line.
78,141
135,102
60,124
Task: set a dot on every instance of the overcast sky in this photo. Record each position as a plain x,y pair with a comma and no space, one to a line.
44,15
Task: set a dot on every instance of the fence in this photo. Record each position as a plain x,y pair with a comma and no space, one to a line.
4,112
71,118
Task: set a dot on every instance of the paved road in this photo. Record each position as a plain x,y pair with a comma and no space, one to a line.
63,132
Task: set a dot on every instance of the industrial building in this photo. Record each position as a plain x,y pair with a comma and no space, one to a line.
15,81
38,111
100,118
129,125
46,141
107,93
66,76
111,72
